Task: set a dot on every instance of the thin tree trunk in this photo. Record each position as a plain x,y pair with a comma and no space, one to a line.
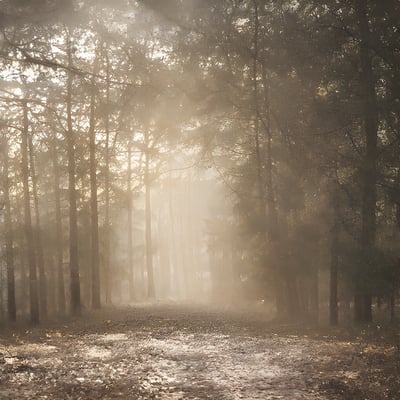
175,286
107,277
392,307
59,235
38,237
184,242
95,267
294,307
2,311
22,290
314,293
363,298
73,218
334,266
9,237
149,244
273,231
260,182
51,283
164,257
131,272
33,284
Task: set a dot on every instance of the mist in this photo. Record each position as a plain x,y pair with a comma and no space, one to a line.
223,166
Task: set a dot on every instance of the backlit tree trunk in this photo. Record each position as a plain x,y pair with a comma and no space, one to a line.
256,105
38,236
9,236
131,274
149,244
94,229
107,275
33,283
59,234
73,218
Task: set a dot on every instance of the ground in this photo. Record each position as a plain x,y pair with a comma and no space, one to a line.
187,352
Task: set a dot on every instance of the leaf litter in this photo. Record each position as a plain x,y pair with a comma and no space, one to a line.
176,352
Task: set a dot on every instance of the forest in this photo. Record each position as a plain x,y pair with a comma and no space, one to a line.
199,199
232,154
228,150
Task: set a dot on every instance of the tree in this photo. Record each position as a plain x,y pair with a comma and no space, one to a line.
73,222
363,298
38,235
93,204
9,235
58,228
33,283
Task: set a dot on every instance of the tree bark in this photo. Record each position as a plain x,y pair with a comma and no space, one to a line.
164,256
131,272
33,284
334,265
38,237
95,267
59,235
363,296
259,166
273,231
149,243
314,293
175,286
107,276
9,237
73,219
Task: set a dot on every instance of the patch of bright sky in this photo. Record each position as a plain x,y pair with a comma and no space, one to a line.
240,23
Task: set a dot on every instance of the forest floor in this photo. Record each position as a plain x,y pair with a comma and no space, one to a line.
187,352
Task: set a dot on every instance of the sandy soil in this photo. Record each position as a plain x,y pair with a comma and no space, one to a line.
176,352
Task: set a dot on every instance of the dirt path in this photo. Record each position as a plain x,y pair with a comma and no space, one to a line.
164,352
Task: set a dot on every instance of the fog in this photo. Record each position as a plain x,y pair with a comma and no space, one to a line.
182,208
229,153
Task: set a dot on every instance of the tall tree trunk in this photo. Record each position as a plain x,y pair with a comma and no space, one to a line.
181,253
183,241
273,229
107,275
21,266
9,236
334,265
363,297
59,234
193,261
266,193
314,293
94,229
38,236
164,257
149,244
175,286
33,284
256,106
73,218
131,273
